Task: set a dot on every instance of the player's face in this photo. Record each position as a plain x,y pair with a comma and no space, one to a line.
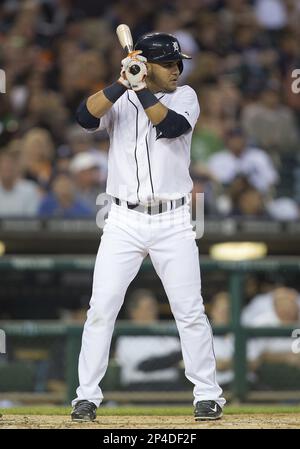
163,76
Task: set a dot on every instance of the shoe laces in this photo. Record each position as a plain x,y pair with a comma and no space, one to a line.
205,404
86,406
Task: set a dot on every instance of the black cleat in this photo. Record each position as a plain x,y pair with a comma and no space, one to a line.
207,410
84,411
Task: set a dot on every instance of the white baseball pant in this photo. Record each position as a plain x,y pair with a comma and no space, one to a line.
169,239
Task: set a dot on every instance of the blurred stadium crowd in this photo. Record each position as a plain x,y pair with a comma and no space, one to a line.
246,142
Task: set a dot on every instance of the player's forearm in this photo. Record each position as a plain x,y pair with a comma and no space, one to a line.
156,113
155,110
98,104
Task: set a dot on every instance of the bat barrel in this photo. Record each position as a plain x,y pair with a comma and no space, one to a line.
125,38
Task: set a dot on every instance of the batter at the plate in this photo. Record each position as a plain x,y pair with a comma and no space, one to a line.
150,123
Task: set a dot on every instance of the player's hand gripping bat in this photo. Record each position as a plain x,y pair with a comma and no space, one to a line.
125,38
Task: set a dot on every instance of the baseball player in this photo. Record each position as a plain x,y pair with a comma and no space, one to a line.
150,123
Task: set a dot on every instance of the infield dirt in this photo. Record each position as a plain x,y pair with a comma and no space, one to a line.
255,421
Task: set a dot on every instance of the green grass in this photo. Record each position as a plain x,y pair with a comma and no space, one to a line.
150,411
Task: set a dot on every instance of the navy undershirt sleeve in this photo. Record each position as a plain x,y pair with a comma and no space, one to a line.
173,125
85,118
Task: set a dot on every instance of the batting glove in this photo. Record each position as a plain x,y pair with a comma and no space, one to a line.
135,70
133,55
136,74
123,79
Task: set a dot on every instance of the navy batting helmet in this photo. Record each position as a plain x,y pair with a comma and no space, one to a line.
161,47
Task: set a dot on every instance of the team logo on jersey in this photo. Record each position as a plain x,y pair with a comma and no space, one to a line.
175,46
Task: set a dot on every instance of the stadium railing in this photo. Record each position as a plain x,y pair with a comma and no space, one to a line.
236,273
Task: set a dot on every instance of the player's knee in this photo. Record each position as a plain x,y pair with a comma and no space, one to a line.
188,321
100,316
188,314
104,309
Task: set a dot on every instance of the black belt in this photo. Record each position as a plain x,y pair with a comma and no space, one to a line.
161,206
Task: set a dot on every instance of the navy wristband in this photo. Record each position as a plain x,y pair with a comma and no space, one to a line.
114,91
146,98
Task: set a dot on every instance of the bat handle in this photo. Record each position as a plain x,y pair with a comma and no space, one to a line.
134,69
128,48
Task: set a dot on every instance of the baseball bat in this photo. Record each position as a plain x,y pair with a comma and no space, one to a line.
125,39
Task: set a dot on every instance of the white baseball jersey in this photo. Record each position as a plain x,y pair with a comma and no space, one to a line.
150,168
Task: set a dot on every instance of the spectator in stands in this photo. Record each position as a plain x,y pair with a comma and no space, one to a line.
76,80
9,125
173,23
271,14
227,199
85,170
208,135
147,362
63,201
37,152
241,159
249,204
18,196
243,57
283,209
281,307
80,141
47,109
241,199
219,312
263,304
270,124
